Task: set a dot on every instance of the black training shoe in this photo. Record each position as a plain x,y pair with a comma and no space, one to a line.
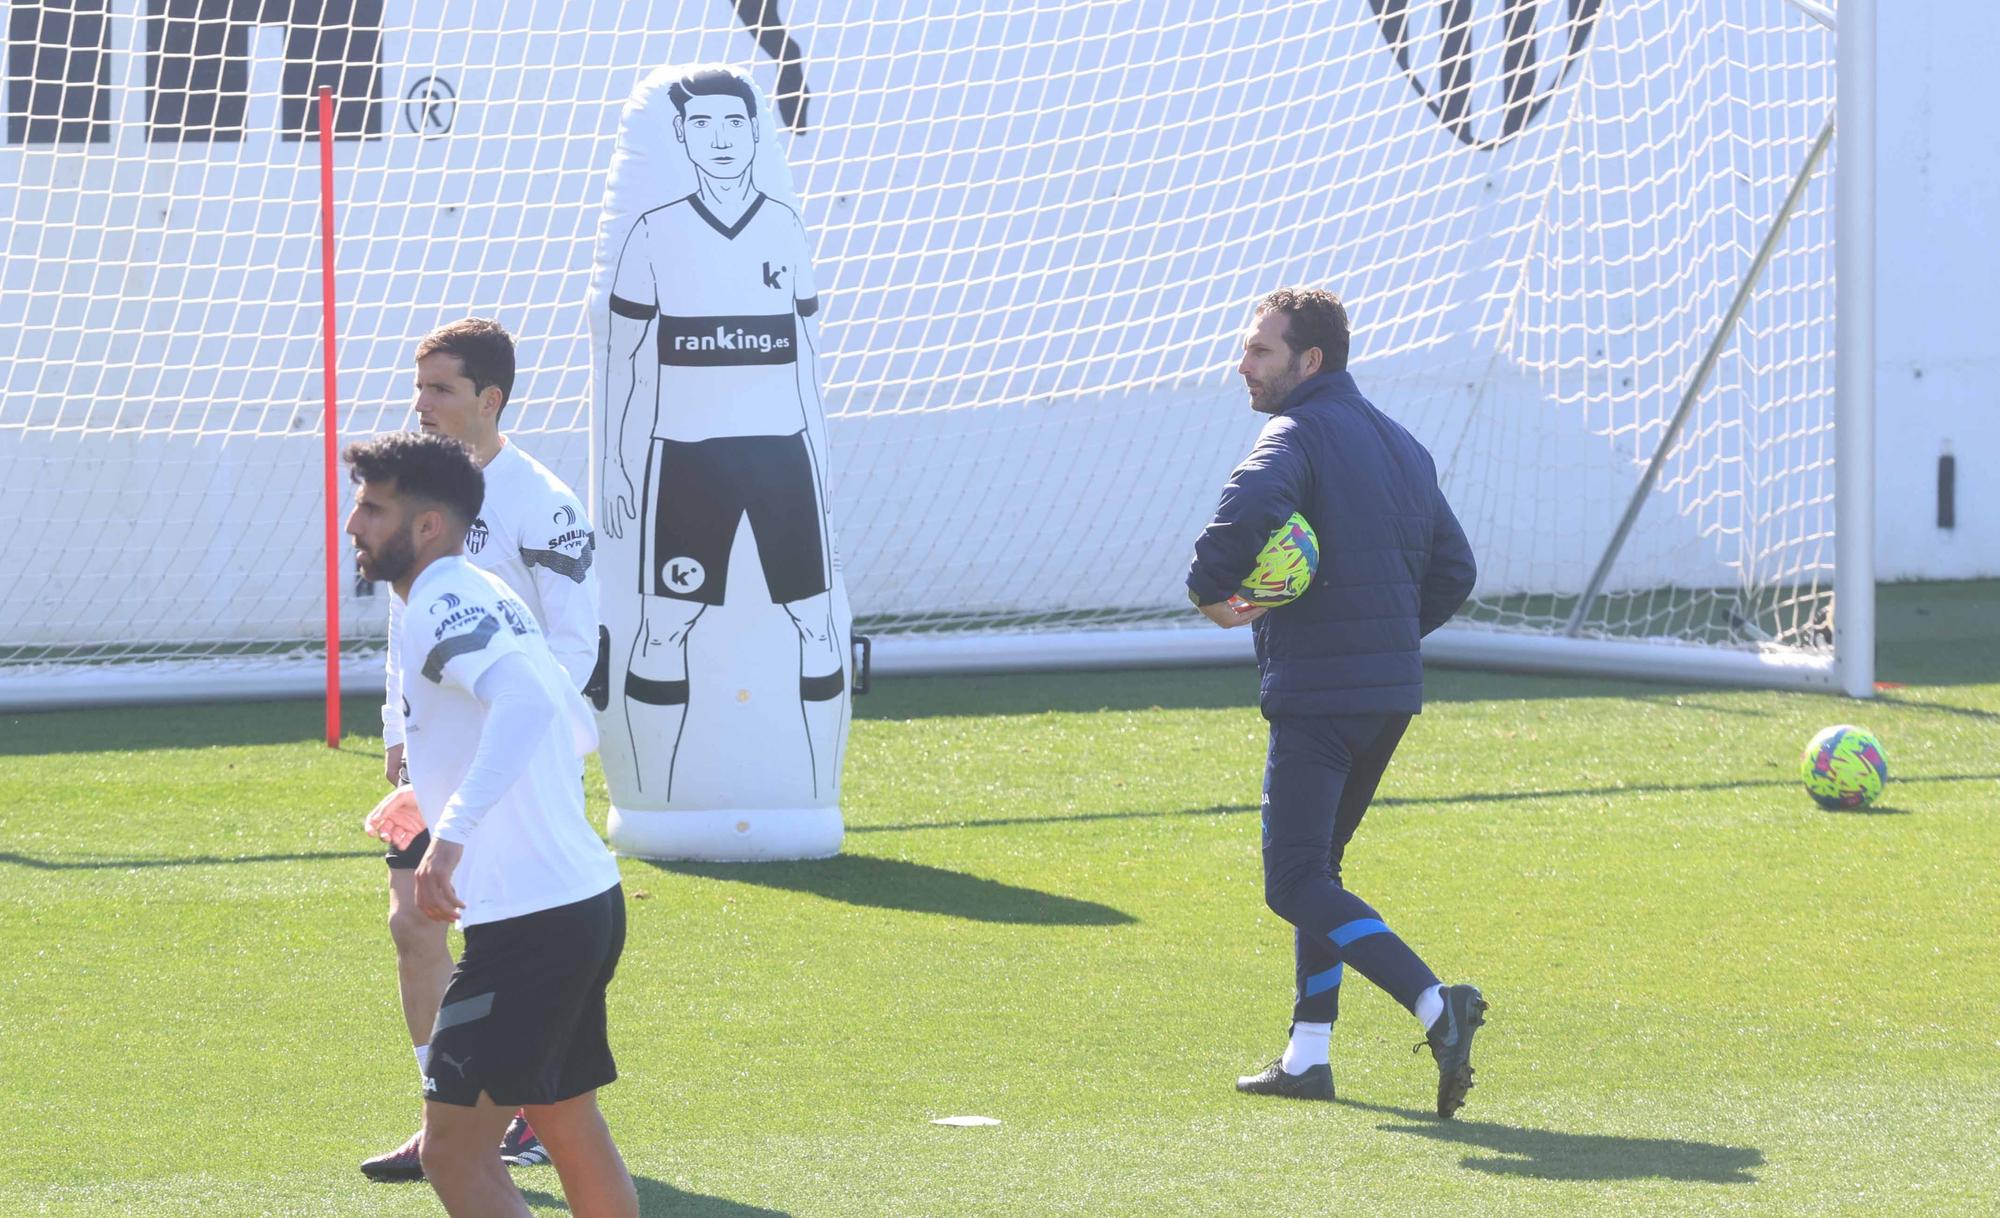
1450,1041
1315,1083
519,1147
401,1163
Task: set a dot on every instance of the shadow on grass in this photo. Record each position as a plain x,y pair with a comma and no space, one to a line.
194,726
1937,634
657,1197
1886,699
1693,701
299,721
1548,1154
1478,797
1890,699
857,879
913,697
1231,687
192,860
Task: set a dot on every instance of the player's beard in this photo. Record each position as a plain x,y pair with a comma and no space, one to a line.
388,562
1269,397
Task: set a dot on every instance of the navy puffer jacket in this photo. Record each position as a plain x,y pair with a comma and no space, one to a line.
1394,564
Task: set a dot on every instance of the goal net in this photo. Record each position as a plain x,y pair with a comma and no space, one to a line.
1587,249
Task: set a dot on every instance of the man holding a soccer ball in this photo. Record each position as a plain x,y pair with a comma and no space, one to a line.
1334,541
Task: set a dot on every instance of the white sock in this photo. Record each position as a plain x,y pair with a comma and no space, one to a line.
423,1060
1307,1048
1430,1005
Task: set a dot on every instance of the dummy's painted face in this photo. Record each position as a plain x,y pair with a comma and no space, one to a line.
1269,368
720,137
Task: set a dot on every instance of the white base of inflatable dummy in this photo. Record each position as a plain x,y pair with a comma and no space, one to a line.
763,835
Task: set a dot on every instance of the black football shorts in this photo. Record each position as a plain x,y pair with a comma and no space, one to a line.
697,493
523,1017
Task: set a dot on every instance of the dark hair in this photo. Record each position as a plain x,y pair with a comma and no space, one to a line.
484,349
712,82
435,468
1313,318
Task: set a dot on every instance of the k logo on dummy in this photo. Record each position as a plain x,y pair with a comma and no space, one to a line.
728,710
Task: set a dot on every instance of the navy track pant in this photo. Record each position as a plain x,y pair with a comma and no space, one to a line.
1319,777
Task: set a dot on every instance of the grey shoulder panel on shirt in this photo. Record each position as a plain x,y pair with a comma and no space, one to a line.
457,645
562,564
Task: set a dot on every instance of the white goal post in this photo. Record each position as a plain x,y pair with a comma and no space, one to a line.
1612,260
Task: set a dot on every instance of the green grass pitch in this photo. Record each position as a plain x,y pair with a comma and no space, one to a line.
1708,995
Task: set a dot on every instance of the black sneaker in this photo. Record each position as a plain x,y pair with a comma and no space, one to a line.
1450,1041
519,1147
1314,1083
401,1163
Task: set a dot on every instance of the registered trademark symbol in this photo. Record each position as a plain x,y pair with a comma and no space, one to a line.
430,106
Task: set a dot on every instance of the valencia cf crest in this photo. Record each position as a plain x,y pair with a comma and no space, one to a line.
475,537
1464,56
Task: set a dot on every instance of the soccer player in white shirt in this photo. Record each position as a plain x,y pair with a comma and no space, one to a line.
495,733
530,531
710,305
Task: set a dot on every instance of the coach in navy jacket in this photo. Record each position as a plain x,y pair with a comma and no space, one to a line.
1394,563
1341,666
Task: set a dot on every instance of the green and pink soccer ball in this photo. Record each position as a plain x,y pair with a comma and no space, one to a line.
1285,567
1843,767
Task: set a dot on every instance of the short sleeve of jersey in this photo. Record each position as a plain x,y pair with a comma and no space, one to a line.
805,293
633,290
558,538
463,637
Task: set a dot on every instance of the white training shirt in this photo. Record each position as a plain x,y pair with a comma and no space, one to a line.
531,532
727,302
531,849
